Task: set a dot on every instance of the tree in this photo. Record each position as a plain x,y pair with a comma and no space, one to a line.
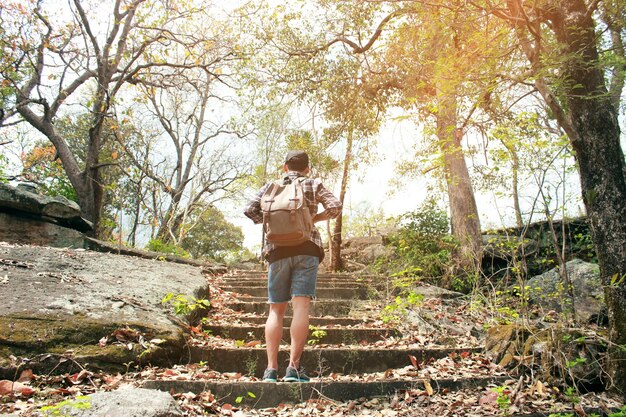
561,44
63,61
211,236
189,157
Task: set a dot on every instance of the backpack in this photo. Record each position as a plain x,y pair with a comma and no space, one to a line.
287,220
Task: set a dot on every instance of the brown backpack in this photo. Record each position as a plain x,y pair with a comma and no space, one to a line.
286,217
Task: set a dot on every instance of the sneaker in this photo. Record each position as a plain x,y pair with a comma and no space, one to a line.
295,375
270,375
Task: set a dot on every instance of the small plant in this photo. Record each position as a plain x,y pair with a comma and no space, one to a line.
575,362
81,402
572,395
317,334
185,305
399,307
503,401
240,398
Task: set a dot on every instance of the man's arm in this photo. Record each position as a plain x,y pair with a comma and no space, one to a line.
332,206
253,208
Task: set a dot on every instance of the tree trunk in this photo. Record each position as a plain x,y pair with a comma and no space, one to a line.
336,261
592,126
464,220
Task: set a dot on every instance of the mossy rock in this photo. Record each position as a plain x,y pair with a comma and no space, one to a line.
60,343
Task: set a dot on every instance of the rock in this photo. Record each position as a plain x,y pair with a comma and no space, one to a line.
126,401
97,308
30,218
25,230
506,247
366,249
548,291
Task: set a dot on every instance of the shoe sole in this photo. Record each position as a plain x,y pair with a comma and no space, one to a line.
270,380
291,379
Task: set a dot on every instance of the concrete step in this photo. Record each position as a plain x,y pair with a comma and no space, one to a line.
351,359
345,293
334,335
314,321
263,298
331,282
319,308
269,394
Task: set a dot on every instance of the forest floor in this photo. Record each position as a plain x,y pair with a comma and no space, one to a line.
520,393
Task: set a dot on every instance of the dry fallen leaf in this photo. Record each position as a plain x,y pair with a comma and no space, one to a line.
428,388
9,387
489,398
26,376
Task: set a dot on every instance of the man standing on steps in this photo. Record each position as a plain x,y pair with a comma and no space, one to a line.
292,271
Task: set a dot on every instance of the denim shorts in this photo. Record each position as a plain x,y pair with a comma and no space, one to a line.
292,277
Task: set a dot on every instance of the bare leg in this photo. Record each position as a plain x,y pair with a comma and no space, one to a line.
299,328
274,333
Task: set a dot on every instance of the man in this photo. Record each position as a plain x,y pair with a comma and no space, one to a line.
292,271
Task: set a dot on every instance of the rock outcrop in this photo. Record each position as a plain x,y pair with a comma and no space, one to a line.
30,218
63,307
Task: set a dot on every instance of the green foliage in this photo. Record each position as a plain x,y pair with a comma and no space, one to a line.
240,398
184,305
503,401
4,162
210,235
81,402
396,310
157,245
365,222
41,167
422,243
316,335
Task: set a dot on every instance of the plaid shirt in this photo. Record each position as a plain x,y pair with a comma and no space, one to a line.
314,193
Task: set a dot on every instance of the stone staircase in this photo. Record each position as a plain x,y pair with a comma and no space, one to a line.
352,353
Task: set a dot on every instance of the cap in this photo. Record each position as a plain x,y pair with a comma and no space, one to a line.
297,159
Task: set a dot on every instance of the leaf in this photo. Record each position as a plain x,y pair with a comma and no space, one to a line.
428,388
489,398
253,343
26,376
414,362
9,387
79,377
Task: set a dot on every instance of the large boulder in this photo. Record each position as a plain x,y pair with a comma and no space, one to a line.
27,217
67,306
366,250
58,209
548,290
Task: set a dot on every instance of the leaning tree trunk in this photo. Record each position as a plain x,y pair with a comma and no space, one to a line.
590,121
336,261
464,221
601,166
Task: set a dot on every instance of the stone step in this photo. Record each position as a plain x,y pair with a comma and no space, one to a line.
351,359
314,321
346,293
257,394
320,298
331,282
334,335
253,274
319,308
